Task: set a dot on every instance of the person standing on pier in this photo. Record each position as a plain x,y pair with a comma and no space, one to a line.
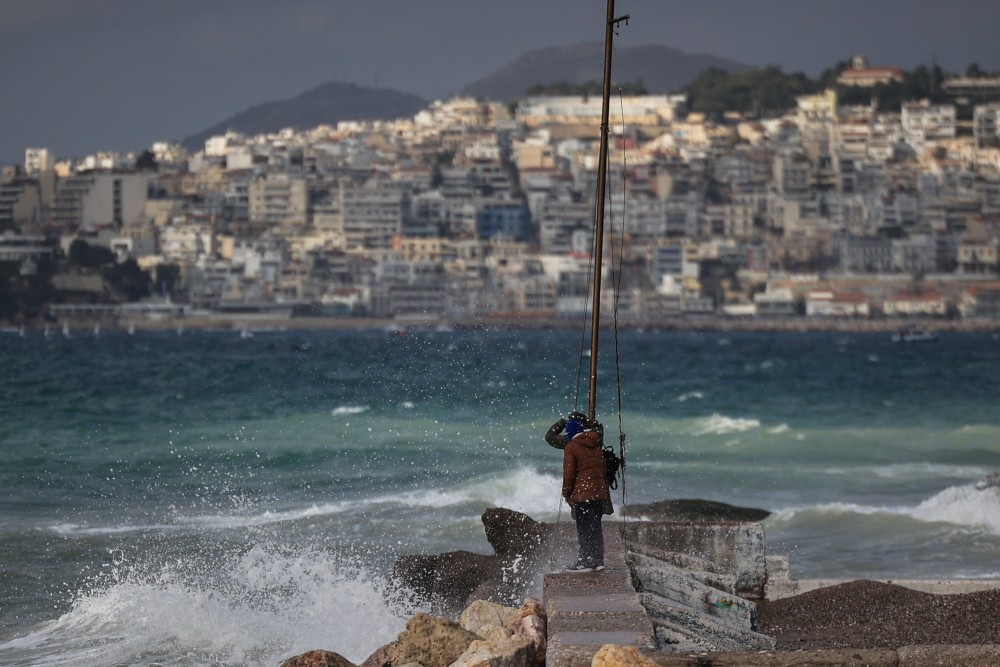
584,486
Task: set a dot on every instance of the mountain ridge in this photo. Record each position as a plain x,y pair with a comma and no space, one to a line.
327,103
659,68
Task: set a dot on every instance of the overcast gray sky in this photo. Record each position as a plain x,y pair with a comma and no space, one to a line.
79,76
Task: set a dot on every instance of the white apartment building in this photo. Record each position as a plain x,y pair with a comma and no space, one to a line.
373,215
925,123
279,198
579,110
99,199
986,123
37,160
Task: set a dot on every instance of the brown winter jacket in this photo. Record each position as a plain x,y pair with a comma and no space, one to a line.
583,469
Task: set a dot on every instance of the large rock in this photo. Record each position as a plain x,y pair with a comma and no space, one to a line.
611,655
530,607
431,641
510,533
533,628
448,579
318,659
695,509
516,651
381,657
481,614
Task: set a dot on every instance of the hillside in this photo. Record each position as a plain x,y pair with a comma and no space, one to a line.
327,103
660,68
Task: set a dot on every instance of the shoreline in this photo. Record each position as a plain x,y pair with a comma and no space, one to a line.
259,323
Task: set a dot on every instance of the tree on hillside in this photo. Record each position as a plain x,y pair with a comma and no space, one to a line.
588,89
762,92
167,278
146,161
127,279
89,256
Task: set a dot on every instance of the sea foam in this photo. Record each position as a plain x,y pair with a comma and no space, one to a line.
717,424
963,505
255,607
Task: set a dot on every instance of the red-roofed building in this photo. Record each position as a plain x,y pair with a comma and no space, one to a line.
829,303
862,75
929,303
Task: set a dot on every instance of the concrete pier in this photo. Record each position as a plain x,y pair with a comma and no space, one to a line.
589,609
682,593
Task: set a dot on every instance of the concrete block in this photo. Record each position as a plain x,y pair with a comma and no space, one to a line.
680,586
716,632
735,548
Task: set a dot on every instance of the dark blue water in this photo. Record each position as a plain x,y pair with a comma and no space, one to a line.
206,495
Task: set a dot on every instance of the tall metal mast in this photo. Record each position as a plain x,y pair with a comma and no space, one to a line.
602,179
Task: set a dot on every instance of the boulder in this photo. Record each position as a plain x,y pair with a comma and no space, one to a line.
431,641
381,657
611,655
533,628
530,607
318,659
510,533
447,579
489,591
515,651
459,572
695,509
482,614
416,572
494,633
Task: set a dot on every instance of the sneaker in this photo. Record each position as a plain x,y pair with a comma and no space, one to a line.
598,567
579,566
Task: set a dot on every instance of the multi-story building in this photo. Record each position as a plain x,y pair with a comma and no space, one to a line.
986,124
99,199
373,214
278,198
924,123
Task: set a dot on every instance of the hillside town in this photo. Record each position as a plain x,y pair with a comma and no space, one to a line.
475,209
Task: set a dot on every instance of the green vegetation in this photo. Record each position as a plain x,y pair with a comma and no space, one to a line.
88,256
146,161
589,89
125,279
769,91
24,298
760,92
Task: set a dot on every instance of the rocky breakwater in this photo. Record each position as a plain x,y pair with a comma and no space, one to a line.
449,582
486,635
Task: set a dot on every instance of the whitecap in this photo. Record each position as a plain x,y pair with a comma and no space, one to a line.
346,410
717,424
963,505
257,607
522,489
928,471
779,429
77,530
683,398
267,517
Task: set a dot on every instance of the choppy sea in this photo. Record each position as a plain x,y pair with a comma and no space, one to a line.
211,498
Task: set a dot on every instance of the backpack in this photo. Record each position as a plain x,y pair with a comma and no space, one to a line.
612,466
